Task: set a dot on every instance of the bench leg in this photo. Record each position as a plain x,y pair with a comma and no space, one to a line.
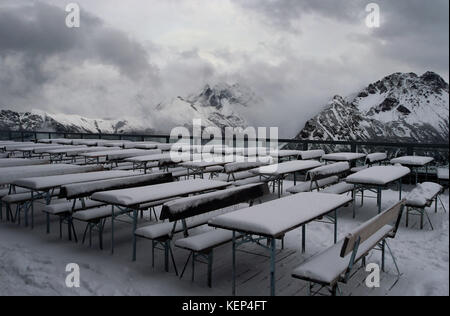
233,285
185,265
334,290
429,219
393,259
383,256
193,267
210,264
304,238
407,217
421,219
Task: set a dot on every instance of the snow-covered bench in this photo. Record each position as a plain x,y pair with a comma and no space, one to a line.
322,177
371,159
336,264
187,213
239,173
24,201
5,192
422,197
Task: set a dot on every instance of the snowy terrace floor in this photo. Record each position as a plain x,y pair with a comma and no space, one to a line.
33,263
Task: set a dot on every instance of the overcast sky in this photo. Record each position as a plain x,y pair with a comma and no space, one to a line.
127,56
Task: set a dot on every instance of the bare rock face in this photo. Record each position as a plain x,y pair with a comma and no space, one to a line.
400,107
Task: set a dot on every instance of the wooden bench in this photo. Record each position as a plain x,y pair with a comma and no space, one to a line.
24,201
321,177
5,192
187,213
371,160
422,197
335,265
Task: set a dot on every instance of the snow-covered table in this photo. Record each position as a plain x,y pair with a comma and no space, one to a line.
14,145
45,186
379,178
272,220
278,172
348,157
285,154
59,154
311,154
142,162
16,162
414,163
135,199
111,156
11,174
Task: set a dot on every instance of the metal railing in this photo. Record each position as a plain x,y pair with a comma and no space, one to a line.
439,151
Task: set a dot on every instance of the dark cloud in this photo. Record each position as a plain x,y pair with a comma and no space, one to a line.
38,32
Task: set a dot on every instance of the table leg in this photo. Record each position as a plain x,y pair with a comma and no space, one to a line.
135,216
234,265
272,267
112,229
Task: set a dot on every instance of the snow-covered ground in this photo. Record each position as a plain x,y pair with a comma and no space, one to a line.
33,263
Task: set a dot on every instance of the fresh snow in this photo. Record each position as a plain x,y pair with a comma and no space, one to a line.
44,183
343,156
287,167
423,193
279,216
412,161
379,175
13,162
136,196
329,170
9,175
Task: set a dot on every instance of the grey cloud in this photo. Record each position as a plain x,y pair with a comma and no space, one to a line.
39,30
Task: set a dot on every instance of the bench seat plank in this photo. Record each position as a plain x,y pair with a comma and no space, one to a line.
339,188
205,241
306,186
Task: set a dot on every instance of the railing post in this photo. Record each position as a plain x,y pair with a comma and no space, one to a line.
354,148
22,136
410,150
305,146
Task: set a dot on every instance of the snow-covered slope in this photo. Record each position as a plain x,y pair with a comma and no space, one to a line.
218,106
400,107
215,106
37,120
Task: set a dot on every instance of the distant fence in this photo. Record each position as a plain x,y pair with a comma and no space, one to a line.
439,151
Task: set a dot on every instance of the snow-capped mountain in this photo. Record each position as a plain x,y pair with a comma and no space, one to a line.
37,120
401,107
217,106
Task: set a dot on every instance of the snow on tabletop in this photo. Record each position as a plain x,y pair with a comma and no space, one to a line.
327,170
242,166
343,156
379,175
9,175
41,183
423,193
76,152
62,147
136,196
182,205
412,160
287,167
312,154
376,157
282,215
29,147
150,158
77,189
13,162
285,153
109,153
13,146
442,173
